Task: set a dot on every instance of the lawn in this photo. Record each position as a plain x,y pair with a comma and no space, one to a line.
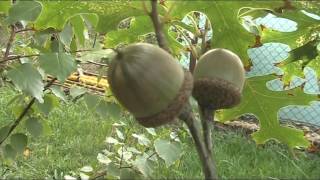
77,136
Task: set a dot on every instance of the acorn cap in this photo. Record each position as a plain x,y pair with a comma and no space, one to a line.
218,79
148,82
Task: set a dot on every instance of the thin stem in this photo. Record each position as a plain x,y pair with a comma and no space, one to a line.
95,63
208,165
203,37
94,40
207,118
24,112
24,30
151,155
12,58
124,142
9,44
158,27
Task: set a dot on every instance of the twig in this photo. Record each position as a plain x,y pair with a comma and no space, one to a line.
192,61
94,40
24,112
151,155
11,58
82,50
208,165
24,30
94,74
124,167
9,44
158,27
92,62
203,37
34,55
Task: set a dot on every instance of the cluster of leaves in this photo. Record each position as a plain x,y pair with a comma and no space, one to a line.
37,54
46,36
129,155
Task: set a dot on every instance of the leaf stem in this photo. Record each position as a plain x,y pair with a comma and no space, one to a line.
92,62
207,121
124,142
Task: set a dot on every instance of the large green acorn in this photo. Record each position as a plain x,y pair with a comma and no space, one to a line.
149,83
218,80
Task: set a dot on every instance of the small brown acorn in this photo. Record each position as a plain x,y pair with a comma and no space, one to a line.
149,83
218,80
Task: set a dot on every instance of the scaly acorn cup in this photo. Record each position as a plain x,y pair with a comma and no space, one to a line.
149,83
218,80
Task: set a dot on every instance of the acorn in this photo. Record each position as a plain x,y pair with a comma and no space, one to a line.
149,83
219,78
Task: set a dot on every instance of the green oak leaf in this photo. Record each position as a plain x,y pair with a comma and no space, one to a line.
59,65
315,65
50,18
57,91
34,126
305,25
27,79
91,19
306,52
92,101
78,23
78,28
9,152
144,165
127,173
4,132
19,142
50,102
110,13
290,70
96,55
77,91
5,6
168,151
66,35
264,104
114,110
103,108
24,10
226,27
139,26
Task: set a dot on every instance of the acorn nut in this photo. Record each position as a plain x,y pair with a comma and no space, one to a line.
218,80
149,83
